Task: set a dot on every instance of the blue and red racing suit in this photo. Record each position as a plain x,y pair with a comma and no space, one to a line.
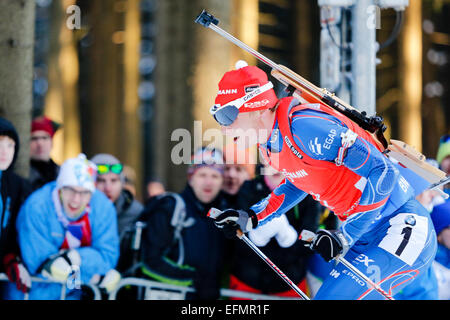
326,155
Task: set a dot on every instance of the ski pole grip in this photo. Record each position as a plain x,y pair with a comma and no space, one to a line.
205,19
214,213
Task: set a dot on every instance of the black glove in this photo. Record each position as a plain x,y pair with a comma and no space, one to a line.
329,244
230,220
17,273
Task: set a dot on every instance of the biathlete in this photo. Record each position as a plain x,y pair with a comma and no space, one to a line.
385,232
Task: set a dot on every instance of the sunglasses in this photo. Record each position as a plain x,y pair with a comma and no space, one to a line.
225,115
106,168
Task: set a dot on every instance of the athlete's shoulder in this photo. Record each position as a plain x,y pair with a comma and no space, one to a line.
316,133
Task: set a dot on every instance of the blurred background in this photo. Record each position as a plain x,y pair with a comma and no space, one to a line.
122,75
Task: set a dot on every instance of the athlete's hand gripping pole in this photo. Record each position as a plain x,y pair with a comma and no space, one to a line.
311,238
214,213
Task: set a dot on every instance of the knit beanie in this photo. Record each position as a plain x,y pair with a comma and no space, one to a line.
104,158
77,172
108,159
206,157
43,123
237,83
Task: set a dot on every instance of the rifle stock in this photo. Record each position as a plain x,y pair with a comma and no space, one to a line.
307,92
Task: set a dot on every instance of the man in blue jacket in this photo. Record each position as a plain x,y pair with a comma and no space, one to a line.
67,232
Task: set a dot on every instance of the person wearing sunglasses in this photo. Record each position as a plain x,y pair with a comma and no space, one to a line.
110,180
326,155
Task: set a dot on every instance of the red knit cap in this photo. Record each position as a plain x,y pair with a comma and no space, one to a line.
44,124
237,83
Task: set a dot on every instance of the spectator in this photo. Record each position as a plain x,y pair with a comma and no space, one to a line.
239,167
68,233
441,264
443,158
110,180
154,188
277,239
14,190
180,244
42,168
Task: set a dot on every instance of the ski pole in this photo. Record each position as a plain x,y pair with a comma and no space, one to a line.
244,238
364,277
308,236
213,213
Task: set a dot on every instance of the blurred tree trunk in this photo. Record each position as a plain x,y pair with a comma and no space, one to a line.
190,63
410,124
16,70
130,146
102,117
61,102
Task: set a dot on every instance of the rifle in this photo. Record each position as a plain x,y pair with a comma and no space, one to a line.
306,92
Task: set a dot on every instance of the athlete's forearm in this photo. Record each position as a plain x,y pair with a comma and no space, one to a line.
283,198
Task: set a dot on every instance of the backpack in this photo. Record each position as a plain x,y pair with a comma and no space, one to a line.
178,223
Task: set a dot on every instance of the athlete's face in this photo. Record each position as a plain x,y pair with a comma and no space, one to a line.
249,128
206,183
243,130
